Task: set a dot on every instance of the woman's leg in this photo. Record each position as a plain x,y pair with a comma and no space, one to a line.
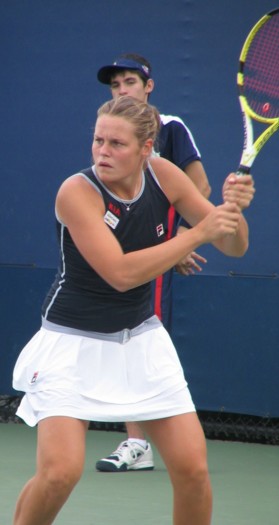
60,460
181,443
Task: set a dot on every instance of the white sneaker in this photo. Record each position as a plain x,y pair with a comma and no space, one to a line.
128,456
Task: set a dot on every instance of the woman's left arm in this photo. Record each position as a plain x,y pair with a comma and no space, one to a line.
191,205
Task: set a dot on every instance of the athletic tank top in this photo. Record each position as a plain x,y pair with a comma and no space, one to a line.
79,297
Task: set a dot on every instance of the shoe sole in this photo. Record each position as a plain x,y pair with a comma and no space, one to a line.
103,466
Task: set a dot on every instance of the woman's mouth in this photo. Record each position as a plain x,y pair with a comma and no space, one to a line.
104,165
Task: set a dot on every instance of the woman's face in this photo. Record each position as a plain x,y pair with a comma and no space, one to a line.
116,151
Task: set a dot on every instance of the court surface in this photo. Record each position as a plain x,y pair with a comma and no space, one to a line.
245,479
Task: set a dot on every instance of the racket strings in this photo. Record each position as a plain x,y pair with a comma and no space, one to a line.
261,70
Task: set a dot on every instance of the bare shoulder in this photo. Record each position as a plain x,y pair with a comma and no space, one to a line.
163,168
160,164
75,195
74,183
171,178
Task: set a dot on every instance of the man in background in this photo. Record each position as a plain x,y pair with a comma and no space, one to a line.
130,74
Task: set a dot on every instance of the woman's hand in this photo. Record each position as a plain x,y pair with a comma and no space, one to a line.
221,221
239,189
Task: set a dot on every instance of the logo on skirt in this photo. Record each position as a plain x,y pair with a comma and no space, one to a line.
34,378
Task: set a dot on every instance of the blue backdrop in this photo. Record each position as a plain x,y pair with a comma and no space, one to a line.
226,327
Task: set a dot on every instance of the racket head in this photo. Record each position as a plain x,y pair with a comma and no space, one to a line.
258,85
258,75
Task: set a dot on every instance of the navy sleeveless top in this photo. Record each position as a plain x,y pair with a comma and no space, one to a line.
79,298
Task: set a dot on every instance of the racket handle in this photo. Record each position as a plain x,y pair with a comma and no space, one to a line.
243,170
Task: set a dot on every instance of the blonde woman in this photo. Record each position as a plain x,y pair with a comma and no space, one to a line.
96,354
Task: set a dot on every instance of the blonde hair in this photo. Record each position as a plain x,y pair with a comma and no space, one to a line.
143,116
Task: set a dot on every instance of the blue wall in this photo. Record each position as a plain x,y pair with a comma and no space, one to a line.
226,328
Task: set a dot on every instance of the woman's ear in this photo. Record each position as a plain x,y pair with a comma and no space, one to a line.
147,148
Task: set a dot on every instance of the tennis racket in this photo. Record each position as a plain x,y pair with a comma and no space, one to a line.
258,85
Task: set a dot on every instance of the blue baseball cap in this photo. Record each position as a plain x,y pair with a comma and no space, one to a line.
105,73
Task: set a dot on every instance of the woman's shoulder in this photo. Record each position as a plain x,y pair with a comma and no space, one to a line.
77,192
79,180
160,163
164,168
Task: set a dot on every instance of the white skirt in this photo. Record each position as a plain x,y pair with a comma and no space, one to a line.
97,380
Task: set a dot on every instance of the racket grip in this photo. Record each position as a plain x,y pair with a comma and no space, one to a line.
243,170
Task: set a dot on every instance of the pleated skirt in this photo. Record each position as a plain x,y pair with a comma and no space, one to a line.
92,379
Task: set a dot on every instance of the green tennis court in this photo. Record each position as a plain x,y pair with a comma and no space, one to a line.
245,480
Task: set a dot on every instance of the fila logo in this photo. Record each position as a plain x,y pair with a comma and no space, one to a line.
34,378
160,230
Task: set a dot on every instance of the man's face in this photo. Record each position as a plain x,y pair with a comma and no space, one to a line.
130,83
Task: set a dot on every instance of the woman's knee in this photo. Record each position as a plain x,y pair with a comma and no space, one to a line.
61,478
190,473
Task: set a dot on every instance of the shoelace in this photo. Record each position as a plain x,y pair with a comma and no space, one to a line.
122,447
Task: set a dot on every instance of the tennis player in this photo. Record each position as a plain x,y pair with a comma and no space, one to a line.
96,354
